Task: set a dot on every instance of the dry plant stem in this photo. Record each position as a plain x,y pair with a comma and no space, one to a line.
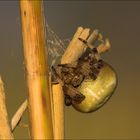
76,47
94,35
5,132
57,105
34,36
17,116
58,111
104,46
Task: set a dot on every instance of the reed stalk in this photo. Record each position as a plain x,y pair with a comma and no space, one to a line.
37,72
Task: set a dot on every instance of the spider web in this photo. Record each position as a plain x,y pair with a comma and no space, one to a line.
56,46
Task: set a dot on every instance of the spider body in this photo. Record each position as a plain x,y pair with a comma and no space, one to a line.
87,83
72,75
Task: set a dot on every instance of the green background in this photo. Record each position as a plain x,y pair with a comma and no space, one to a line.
120,21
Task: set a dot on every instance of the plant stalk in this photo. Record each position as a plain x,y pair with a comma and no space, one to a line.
37,72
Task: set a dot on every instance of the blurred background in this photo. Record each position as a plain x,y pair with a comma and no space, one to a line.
120,21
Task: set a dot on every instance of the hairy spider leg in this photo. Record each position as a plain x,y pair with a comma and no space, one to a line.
95,54
73,93
68,65
68,100
94,58
55,77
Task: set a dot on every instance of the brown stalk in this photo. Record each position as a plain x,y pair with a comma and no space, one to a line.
37,73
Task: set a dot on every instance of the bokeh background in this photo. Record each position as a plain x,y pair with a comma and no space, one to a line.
120,21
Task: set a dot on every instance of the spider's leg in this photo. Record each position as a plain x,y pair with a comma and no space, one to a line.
100,64
77,80
94,53
86,43
73,93
55,76
68,100
69,65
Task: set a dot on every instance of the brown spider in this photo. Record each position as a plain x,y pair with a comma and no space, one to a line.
73,74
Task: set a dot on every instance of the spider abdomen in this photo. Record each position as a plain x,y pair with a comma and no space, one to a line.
98,91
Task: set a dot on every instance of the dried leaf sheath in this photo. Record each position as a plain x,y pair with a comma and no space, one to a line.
5,132
33,31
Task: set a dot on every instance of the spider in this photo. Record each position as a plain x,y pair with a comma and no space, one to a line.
72,75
